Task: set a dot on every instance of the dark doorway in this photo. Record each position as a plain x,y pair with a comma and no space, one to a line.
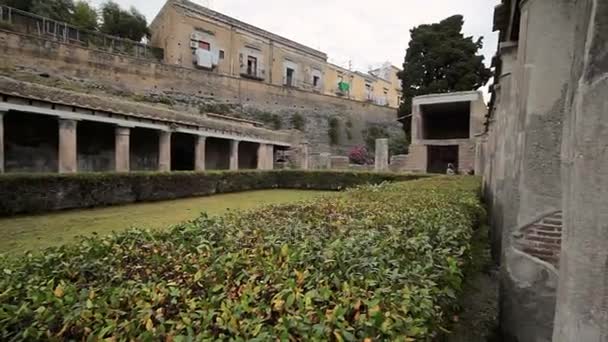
440,156
182,152
217,154
289,78
31,142
144,149
248,155
95,143
252,66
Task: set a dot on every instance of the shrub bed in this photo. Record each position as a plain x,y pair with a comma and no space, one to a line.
32,193
375,263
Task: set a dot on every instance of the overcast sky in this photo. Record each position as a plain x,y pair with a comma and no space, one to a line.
367,32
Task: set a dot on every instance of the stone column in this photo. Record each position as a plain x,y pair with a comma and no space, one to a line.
305,157
263,157
122,149
381,155
234,154
164,151
2,142
199,153
269,157
67,146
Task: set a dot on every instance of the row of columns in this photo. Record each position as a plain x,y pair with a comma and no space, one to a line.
68,161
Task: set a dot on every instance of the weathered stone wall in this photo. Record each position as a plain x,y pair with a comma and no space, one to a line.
190,90
542,156
582,303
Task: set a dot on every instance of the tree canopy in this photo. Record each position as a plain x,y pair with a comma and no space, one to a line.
116,21
85,16
440,59
126,24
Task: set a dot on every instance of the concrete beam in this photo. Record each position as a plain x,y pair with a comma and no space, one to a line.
122,149
164,151
234,154
67,146
199,153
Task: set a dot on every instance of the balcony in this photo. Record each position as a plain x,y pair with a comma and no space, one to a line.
252,74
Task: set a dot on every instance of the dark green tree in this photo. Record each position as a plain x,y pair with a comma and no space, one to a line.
84,16
440,59
126,24
60,10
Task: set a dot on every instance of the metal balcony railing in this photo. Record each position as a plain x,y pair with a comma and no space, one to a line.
12,19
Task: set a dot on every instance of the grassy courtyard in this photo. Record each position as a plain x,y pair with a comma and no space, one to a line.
36,232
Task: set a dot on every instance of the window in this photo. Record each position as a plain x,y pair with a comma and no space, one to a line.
204,46
289,78
222,54
316,80
252,65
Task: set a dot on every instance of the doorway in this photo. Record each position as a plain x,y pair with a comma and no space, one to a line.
252,66
289,77
440,156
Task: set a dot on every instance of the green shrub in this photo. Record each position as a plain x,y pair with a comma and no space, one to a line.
298,122
32,193
379,262
334,126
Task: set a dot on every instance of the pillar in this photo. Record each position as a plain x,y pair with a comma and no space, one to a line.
67,146
122,150
270,157
199,153
381,155
2,142
263,157
305,157
234,154
164,151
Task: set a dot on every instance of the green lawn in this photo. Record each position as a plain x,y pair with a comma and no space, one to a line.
40,231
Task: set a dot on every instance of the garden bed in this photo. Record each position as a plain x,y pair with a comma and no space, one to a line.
381,262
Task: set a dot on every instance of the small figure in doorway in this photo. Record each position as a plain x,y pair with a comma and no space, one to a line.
450,171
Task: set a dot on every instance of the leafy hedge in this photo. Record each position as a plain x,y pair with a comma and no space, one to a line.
31,193
376,263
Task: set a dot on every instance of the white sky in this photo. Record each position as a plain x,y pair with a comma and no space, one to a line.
367,32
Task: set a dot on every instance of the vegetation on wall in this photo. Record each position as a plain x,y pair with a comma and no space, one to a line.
368,265
298,122
333,130
397,142
348,129
441,59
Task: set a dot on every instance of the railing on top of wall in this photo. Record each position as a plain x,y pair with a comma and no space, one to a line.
19,21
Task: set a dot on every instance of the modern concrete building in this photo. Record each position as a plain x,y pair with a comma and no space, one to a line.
194,36
444,129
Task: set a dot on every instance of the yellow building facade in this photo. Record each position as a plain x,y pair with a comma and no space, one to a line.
194,36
